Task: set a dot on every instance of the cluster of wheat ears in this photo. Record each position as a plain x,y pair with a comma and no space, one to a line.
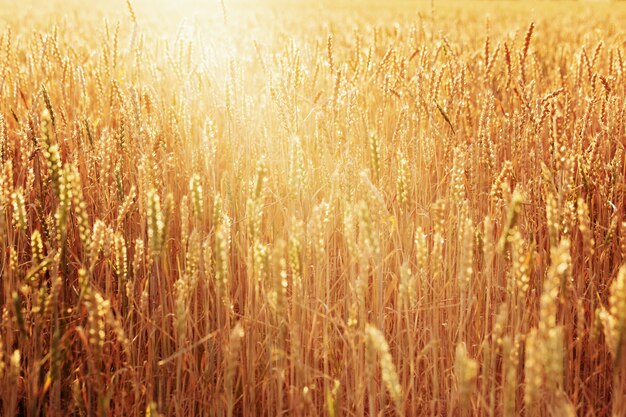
342,213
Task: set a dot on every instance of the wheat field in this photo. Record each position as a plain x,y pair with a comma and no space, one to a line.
289,208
